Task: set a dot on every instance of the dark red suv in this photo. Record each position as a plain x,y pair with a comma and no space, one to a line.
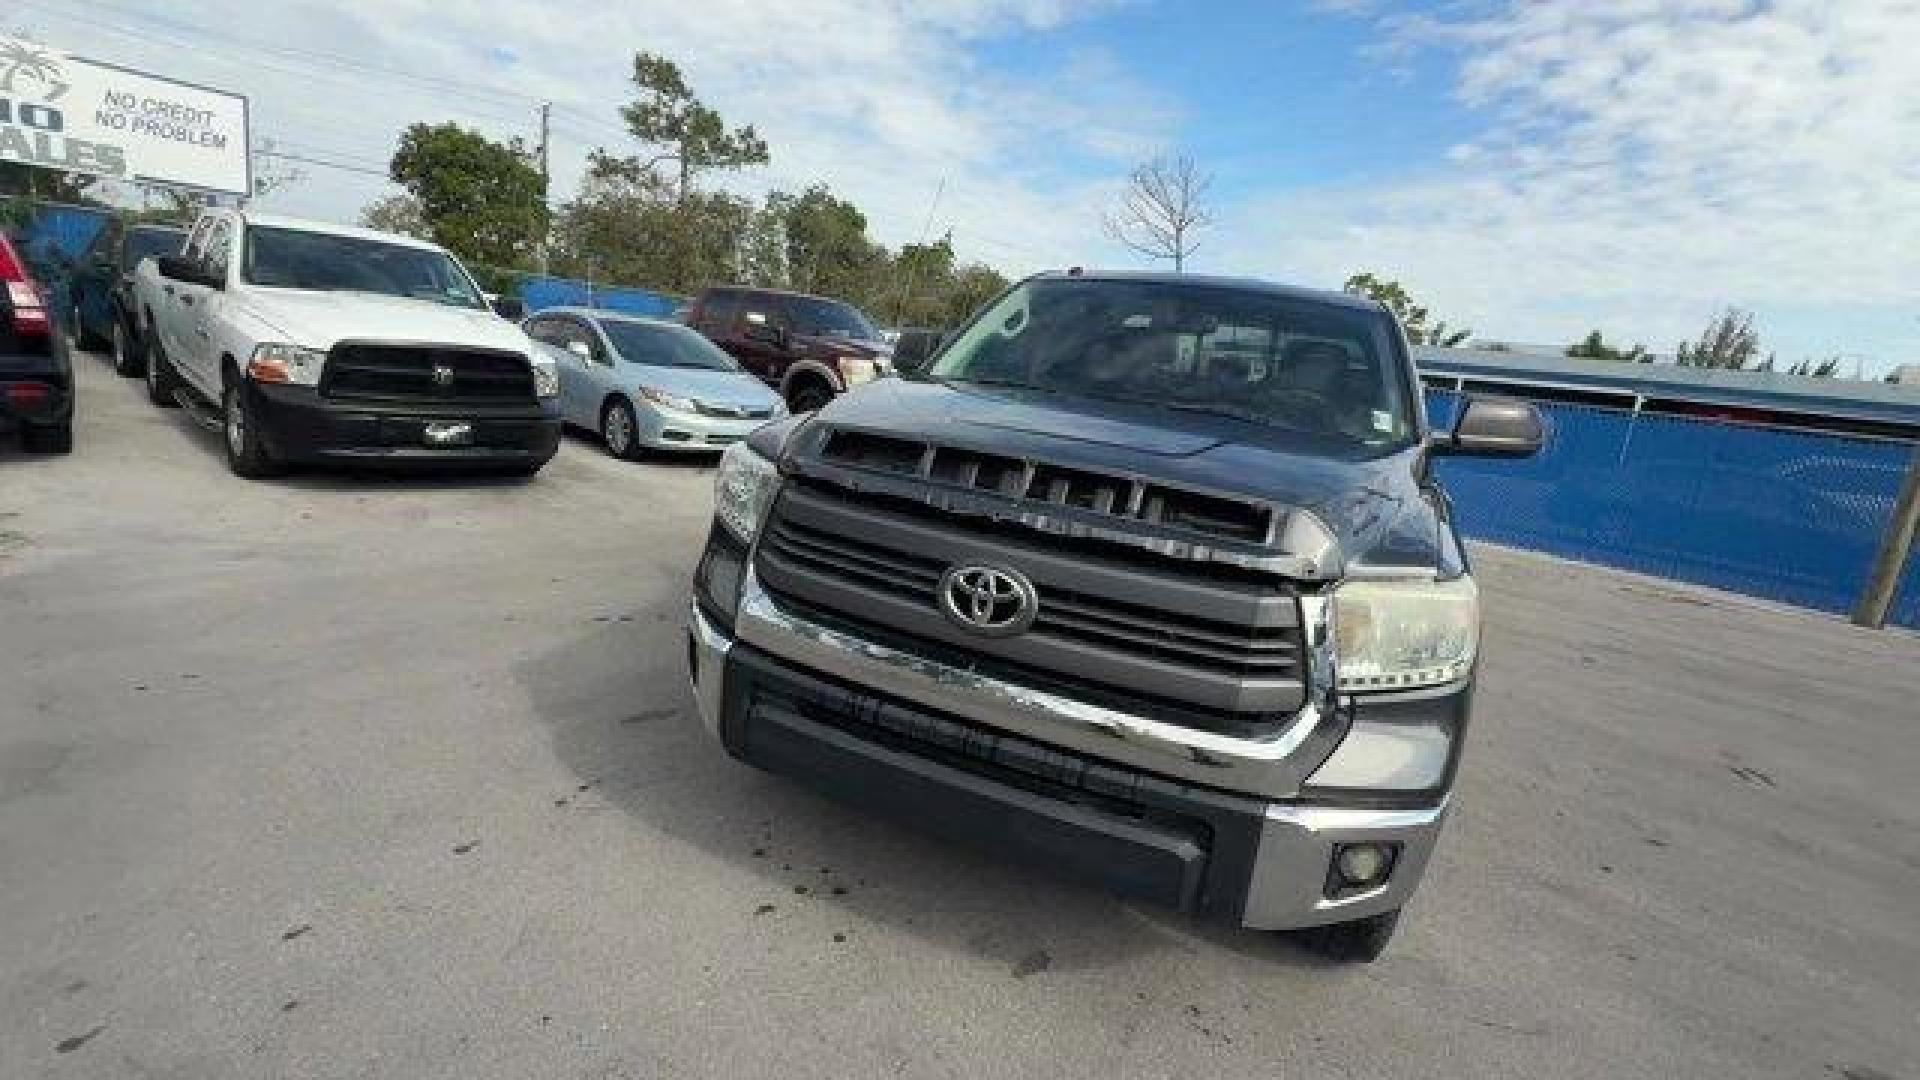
807,347
36,380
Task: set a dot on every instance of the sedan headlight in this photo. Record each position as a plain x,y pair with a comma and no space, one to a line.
855,370
546,378
1395,635
669,401
743,490
273,362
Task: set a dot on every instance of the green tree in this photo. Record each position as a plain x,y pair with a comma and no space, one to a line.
1730,341
1594,347
635,232
827,247
676,128
396,214
1413,318
483,200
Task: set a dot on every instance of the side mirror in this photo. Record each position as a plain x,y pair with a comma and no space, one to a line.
181,268
511,308
914,351
580,349
1493,427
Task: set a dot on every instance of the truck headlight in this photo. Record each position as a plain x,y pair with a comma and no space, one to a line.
1396,635
274,362
855,370
669,401
743,490
546,378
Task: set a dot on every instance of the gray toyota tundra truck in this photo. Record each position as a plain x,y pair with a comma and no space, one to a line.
1146,578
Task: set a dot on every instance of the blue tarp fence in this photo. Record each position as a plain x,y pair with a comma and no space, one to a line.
545,292
1793,516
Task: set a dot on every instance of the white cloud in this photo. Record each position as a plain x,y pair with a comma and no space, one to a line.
1645,161
881,99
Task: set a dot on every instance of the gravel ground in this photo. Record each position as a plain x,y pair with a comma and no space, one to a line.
343,777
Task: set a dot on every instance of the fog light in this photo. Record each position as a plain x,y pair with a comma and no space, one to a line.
1363,864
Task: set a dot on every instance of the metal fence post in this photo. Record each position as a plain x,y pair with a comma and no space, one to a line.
1884,578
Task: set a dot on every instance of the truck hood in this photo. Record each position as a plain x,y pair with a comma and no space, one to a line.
1384,519
318,320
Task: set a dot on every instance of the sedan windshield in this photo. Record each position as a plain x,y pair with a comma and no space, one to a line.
294,259
665,346
817,317
1260,357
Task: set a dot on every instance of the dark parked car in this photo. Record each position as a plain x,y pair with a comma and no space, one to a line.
809,348
100,297
1147,578
36,381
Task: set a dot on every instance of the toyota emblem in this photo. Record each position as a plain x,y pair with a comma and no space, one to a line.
443,376
989,600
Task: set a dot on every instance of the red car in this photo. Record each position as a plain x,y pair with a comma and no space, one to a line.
36,380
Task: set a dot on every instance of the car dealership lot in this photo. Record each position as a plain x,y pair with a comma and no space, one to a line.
399,777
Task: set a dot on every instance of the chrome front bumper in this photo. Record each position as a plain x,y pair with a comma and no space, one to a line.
1287,886
663,429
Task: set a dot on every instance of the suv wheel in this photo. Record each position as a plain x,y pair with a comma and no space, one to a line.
1358,942
809,395
160,378
618,429
247,455
126,354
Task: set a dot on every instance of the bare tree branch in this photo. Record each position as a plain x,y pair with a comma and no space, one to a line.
1161,210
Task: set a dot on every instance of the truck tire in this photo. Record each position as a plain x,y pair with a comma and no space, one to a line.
160,378
127,359
1358,942
247,453
619,431
48,438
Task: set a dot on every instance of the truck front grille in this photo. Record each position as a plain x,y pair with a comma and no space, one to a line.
368,371
1144,630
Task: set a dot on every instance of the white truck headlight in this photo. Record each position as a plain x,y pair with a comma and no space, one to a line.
855,370
1396,635
546,378
743,490
274,362
669,401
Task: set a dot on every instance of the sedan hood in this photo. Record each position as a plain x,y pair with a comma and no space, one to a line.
735,388
1383,519
318,320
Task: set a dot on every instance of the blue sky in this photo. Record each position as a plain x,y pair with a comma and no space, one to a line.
1530,168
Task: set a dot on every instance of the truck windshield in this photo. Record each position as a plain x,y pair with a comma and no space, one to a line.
1259,357
817,317
295,259
144,243
665,346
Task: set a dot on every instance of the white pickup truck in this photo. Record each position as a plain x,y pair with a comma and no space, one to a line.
318,343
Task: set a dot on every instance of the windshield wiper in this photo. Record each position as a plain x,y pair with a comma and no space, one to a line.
1001,382
1232,412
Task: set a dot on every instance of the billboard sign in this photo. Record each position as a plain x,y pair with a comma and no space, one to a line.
78,115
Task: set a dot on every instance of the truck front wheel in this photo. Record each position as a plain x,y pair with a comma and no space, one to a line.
1358,942
247,454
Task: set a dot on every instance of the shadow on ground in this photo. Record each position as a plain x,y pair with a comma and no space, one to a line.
620,716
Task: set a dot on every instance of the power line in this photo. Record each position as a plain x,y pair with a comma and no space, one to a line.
322,162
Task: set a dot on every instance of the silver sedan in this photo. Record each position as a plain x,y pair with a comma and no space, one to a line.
648,384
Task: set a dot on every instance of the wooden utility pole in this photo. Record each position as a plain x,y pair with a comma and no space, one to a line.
1895,545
